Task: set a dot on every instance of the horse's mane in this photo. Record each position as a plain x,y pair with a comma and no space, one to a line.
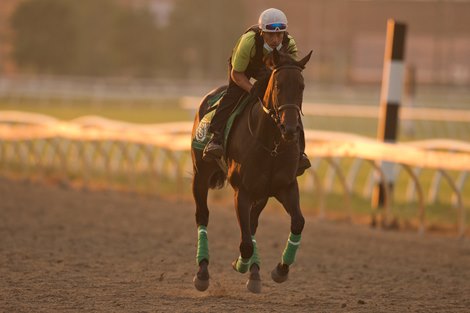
275,60
272,61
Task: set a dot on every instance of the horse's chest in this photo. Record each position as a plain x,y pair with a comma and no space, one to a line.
281,179
266,178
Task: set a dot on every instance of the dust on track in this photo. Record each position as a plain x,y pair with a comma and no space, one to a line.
64,250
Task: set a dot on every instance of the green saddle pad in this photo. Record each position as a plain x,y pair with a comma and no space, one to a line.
202,134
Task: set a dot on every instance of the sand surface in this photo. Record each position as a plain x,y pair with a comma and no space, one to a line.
65,250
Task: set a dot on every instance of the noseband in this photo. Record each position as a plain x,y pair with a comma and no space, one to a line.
275,113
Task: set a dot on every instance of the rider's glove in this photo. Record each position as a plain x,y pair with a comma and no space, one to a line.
262,80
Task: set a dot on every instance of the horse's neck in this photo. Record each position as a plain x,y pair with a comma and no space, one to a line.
264,129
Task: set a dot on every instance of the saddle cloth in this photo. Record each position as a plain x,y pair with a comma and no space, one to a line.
202,134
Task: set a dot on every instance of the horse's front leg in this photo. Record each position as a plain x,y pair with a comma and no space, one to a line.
255,211
242,207
248,214
254,281
289,198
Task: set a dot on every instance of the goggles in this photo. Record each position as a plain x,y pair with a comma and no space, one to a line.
276,27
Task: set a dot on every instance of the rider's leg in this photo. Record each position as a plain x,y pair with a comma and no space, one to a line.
214,148
304,162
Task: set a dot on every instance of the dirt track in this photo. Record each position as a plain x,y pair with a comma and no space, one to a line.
72,251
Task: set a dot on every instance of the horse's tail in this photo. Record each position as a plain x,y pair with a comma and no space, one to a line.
217,180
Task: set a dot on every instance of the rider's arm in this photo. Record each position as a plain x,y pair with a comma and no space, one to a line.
241,80
241,56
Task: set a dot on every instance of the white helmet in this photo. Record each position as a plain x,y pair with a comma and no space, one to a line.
272,21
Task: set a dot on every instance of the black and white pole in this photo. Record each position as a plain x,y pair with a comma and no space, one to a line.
390,100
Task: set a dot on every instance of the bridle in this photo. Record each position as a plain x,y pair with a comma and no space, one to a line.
275,113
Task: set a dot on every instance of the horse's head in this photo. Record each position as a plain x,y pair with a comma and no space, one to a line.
283,97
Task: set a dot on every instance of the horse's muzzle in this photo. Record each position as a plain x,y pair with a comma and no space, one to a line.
290,133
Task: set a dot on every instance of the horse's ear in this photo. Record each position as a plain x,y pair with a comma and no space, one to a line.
304,61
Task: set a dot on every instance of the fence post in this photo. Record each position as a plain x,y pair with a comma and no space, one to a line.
392,85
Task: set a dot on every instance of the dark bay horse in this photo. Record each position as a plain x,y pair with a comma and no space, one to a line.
262,155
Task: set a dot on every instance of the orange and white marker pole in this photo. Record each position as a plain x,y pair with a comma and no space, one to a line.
390,100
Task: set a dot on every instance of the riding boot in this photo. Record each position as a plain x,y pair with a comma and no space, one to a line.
214,148
304,162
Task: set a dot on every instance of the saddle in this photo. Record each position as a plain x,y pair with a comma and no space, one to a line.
206,112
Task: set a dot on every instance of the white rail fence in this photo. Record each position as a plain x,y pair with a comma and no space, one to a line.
418,122
90,146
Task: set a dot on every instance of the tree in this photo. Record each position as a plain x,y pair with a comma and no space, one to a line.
91,37
201,36
103,38
46,38
96,23
137,43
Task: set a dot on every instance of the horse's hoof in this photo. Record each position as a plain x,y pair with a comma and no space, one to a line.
254,285
201,284
280,273
254,281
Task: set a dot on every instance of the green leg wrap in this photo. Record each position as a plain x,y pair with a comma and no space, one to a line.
202,245
242,265
288,256
255,257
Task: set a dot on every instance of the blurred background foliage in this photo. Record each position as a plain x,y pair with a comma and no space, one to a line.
105,38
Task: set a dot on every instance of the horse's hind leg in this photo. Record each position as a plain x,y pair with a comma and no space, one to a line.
200,191
290,200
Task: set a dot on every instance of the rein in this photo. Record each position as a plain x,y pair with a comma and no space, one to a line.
272,152
274,114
